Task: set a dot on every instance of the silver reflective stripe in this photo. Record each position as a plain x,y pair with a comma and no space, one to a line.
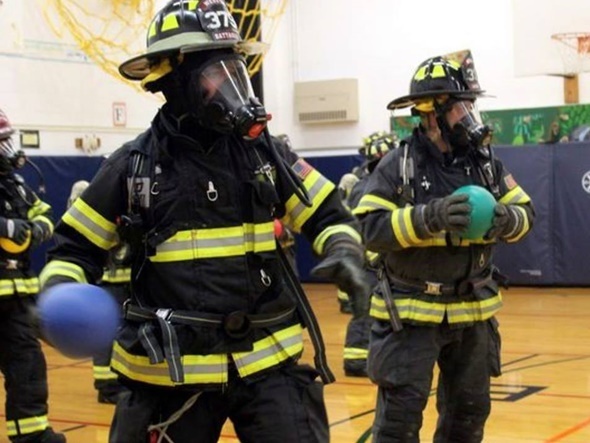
313,192
270,351
80,217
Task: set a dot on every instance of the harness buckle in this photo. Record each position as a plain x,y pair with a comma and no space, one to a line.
433,288
164,313
11,264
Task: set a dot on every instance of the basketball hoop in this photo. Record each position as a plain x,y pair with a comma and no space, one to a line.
574,49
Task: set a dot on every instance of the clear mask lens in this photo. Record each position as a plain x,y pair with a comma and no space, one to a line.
227,97
466,125
226,80
7,148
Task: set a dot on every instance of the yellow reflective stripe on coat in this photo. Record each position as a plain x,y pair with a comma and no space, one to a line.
403,227
19,286
270,351
324,236
355,353
370,203
91,225
59,268
318,187
212,369
45,220
120,275
26,426
516,196
198,369
39,208
36,214
431,312
103,373
216,242
526,226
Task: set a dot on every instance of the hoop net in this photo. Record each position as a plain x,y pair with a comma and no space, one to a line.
112,31
574,49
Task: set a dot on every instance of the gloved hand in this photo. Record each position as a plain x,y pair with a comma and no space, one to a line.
505,221
14,229
450,213
37,234
344,264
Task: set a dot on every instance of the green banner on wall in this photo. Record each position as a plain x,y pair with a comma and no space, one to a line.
524,126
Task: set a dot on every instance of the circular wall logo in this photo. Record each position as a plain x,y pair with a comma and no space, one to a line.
586,182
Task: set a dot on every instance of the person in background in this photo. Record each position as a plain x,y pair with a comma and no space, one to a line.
439,291
25,223
356,343
374,146
214,327
117,280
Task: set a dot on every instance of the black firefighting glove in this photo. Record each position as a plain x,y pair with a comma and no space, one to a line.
344,264
504,223
14,229
450,213
38,234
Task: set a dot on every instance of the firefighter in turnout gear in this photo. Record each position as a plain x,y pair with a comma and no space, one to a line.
438,292
117,280
356,343
213,330
25,222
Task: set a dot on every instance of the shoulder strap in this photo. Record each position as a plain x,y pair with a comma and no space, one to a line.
407,172
486,168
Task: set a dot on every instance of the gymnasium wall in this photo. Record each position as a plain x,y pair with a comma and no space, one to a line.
47,82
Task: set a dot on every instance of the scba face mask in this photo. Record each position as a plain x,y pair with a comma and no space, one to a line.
10,157
225,99
466,129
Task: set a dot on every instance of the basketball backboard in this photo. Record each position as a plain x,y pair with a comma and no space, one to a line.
534,22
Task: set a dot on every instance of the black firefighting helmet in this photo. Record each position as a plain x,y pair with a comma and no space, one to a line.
438,78
185,26
376,145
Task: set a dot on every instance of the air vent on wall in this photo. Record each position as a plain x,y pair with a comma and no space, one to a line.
328,101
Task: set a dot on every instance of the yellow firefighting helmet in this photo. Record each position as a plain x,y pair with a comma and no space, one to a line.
377,144
185,26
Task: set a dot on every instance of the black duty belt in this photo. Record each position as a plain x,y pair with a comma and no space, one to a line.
463,287
237,324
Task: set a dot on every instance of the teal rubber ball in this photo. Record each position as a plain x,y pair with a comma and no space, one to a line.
482,204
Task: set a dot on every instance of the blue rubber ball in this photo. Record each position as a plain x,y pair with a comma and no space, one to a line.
80,320
482,204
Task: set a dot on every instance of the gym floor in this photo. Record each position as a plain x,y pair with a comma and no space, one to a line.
542,396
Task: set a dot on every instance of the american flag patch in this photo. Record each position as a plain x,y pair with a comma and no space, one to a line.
302,168
510,182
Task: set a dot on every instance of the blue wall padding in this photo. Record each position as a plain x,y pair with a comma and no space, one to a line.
60,173
554,253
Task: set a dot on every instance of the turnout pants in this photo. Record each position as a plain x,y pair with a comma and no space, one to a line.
285,405
401,364
25,373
